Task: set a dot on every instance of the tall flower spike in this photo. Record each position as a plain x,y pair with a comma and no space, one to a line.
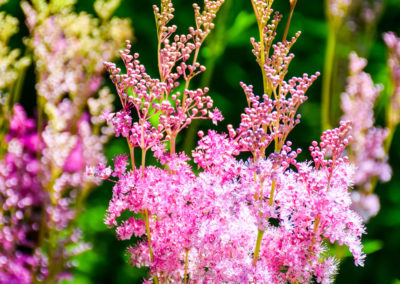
367,146
393,43
366,149
155,100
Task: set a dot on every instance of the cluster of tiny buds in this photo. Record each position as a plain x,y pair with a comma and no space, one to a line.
205,18
181,47
286,156
276,67
333,143
277,116
136,81
145,136
179,50
262,9
196,105
166,14
257,118
269,33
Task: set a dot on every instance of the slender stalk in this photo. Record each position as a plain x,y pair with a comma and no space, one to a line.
327,79
196,54
53,266
262,60
271,196
316,226
260,235
261,27
172,144
143,161
292,6
132,155
146,213
391,126
16,93
185,276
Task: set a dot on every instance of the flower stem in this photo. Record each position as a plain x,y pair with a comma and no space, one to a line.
258,246
143,161
316,225
172,145
132,155
292,6
271,197
146,213
185,276
327,79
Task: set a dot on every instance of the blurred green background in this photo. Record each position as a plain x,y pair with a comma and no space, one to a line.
228,57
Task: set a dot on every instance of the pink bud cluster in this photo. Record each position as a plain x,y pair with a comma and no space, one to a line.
154,100
175,52
271,120
263,11
269,31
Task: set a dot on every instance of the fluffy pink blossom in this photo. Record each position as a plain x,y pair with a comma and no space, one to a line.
213,217
367,146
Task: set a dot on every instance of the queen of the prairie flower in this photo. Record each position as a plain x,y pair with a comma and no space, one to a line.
366,149
265,220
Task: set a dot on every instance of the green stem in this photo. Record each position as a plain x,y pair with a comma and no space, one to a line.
316,225
258,246
132,155
146,214
391,126
327,78
271,197
18,87
292,6
143,161
185,278
172,144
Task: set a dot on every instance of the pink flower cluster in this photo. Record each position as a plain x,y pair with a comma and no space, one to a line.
393,43
265,220
367,145
43,182
20,199
211,219
366,149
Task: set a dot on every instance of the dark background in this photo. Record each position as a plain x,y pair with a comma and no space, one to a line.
228,57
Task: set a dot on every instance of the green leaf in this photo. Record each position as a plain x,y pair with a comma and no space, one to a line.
372,246
242,22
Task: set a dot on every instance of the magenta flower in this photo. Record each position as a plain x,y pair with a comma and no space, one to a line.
267,219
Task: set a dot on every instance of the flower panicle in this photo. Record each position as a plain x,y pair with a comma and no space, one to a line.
201,225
